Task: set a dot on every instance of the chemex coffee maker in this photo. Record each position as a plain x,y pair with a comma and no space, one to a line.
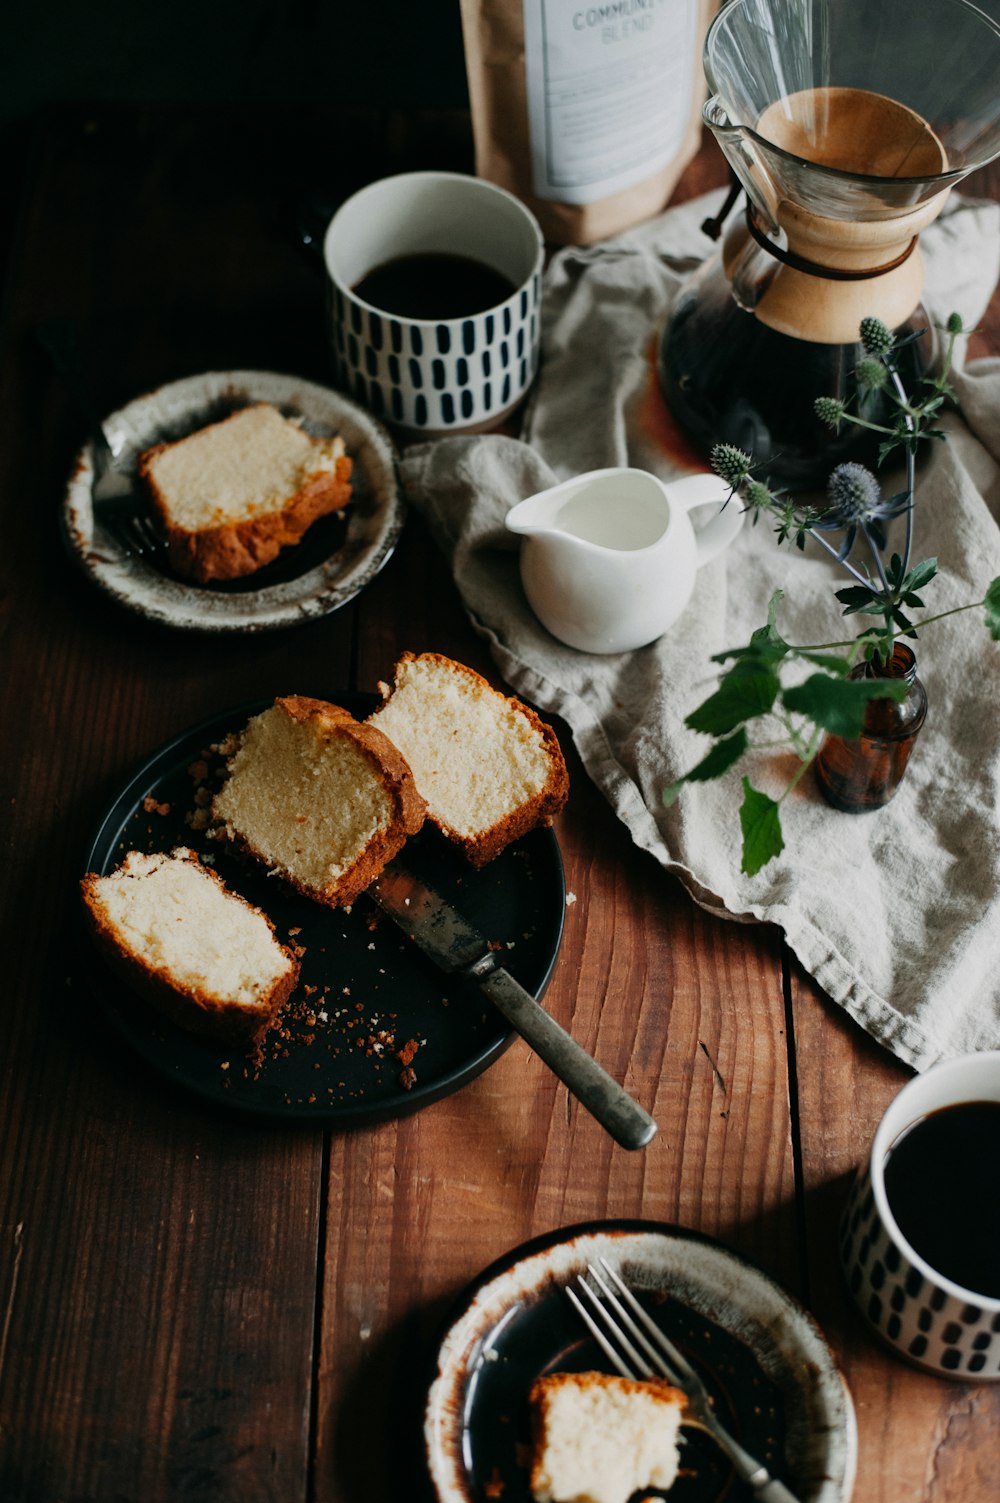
846,123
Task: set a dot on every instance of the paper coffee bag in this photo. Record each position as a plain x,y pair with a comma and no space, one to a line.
588,110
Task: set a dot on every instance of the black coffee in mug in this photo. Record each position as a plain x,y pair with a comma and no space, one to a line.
434,285
942,1182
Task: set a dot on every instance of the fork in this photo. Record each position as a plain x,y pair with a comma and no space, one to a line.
116,506
637,1348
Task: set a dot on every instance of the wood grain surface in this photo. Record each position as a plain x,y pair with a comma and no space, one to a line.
196,1308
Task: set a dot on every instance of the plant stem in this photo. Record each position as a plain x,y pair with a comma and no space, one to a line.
805,763
877,556
956,610
910,459
844,562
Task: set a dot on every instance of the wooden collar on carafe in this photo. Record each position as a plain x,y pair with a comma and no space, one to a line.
813,268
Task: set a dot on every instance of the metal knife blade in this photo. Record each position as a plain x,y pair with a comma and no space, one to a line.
457,947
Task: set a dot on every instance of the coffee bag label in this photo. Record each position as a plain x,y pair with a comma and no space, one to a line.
609,91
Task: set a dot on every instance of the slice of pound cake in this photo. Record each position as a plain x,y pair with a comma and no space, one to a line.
488,767
599,1439
199,952
232,495
318,797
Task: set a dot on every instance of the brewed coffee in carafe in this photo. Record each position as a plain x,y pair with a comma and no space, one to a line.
846,125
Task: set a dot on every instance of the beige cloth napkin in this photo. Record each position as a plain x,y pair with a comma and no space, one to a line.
896,913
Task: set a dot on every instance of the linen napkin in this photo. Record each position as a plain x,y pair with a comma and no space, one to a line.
896,913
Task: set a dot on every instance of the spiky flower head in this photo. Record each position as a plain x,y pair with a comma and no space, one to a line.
871,374
855,500
955,325
829,410
730,464
853,493
757,495
876,336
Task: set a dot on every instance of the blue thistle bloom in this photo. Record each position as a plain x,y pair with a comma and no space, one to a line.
855,500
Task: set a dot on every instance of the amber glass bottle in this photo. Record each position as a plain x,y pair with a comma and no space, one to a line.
856,776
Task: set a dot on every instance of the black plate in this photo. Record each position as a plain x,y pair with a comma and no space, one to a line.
365,991
766,1364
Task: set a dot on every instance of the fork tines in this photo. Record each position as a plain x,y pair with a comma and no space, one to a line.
626,1333
637,1348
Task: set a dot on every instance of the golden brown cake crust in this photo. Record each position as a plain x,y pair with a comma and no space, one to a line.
537,811
395,777
190,1008
234,549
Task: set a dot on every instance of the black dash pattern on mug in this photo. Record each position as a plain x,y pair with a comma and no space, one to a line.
923,1320
439,376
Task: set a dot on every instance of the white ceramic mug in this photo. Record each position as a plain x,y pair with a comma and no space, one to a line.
609,558
932,1321
433,376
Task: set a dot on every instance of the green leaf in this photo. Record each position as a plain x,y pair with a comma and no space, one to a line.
920,574
856,595
838,705
719,760
992,604
859,598
829,661
766,644
747,690
761,826
772,613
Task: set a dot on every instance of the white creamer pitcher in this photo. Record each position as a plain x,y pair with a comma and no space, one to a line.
609,558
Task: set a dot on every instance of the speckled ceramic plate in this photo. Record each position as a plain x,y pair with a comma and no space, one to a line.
335,559
763,1358
374,1029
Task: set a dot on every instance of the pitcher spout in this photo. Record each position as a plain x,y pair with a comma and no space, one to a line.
534,516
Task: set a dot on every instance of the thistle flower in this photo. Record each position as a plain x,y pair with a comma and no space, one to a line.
830,410
855,500
871,374
877,337
730,464
757,496
854,493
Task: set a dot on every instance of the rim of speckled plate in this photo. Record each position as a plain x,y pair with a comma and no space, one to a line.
299,587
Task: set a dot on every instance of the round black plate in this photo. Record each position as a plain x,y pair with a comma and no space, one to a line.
765,1363
366,994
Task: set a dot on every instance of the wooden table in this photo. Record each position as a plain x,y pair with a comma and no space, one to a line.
191,1307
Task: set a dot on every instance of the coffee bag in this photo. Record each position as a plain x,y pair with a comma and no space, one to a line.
588,110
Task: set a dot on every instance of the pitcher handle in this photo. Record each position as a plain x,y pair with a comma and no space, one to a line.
703,490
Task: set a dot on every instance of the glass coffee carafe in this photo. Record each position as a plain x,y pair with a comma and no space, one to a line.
846,124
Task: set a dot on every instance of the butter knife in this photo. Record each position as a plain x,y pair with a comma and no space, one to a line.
457,947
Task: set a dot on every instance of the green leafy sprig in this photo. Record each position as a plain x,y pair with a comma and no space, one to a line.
823,698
